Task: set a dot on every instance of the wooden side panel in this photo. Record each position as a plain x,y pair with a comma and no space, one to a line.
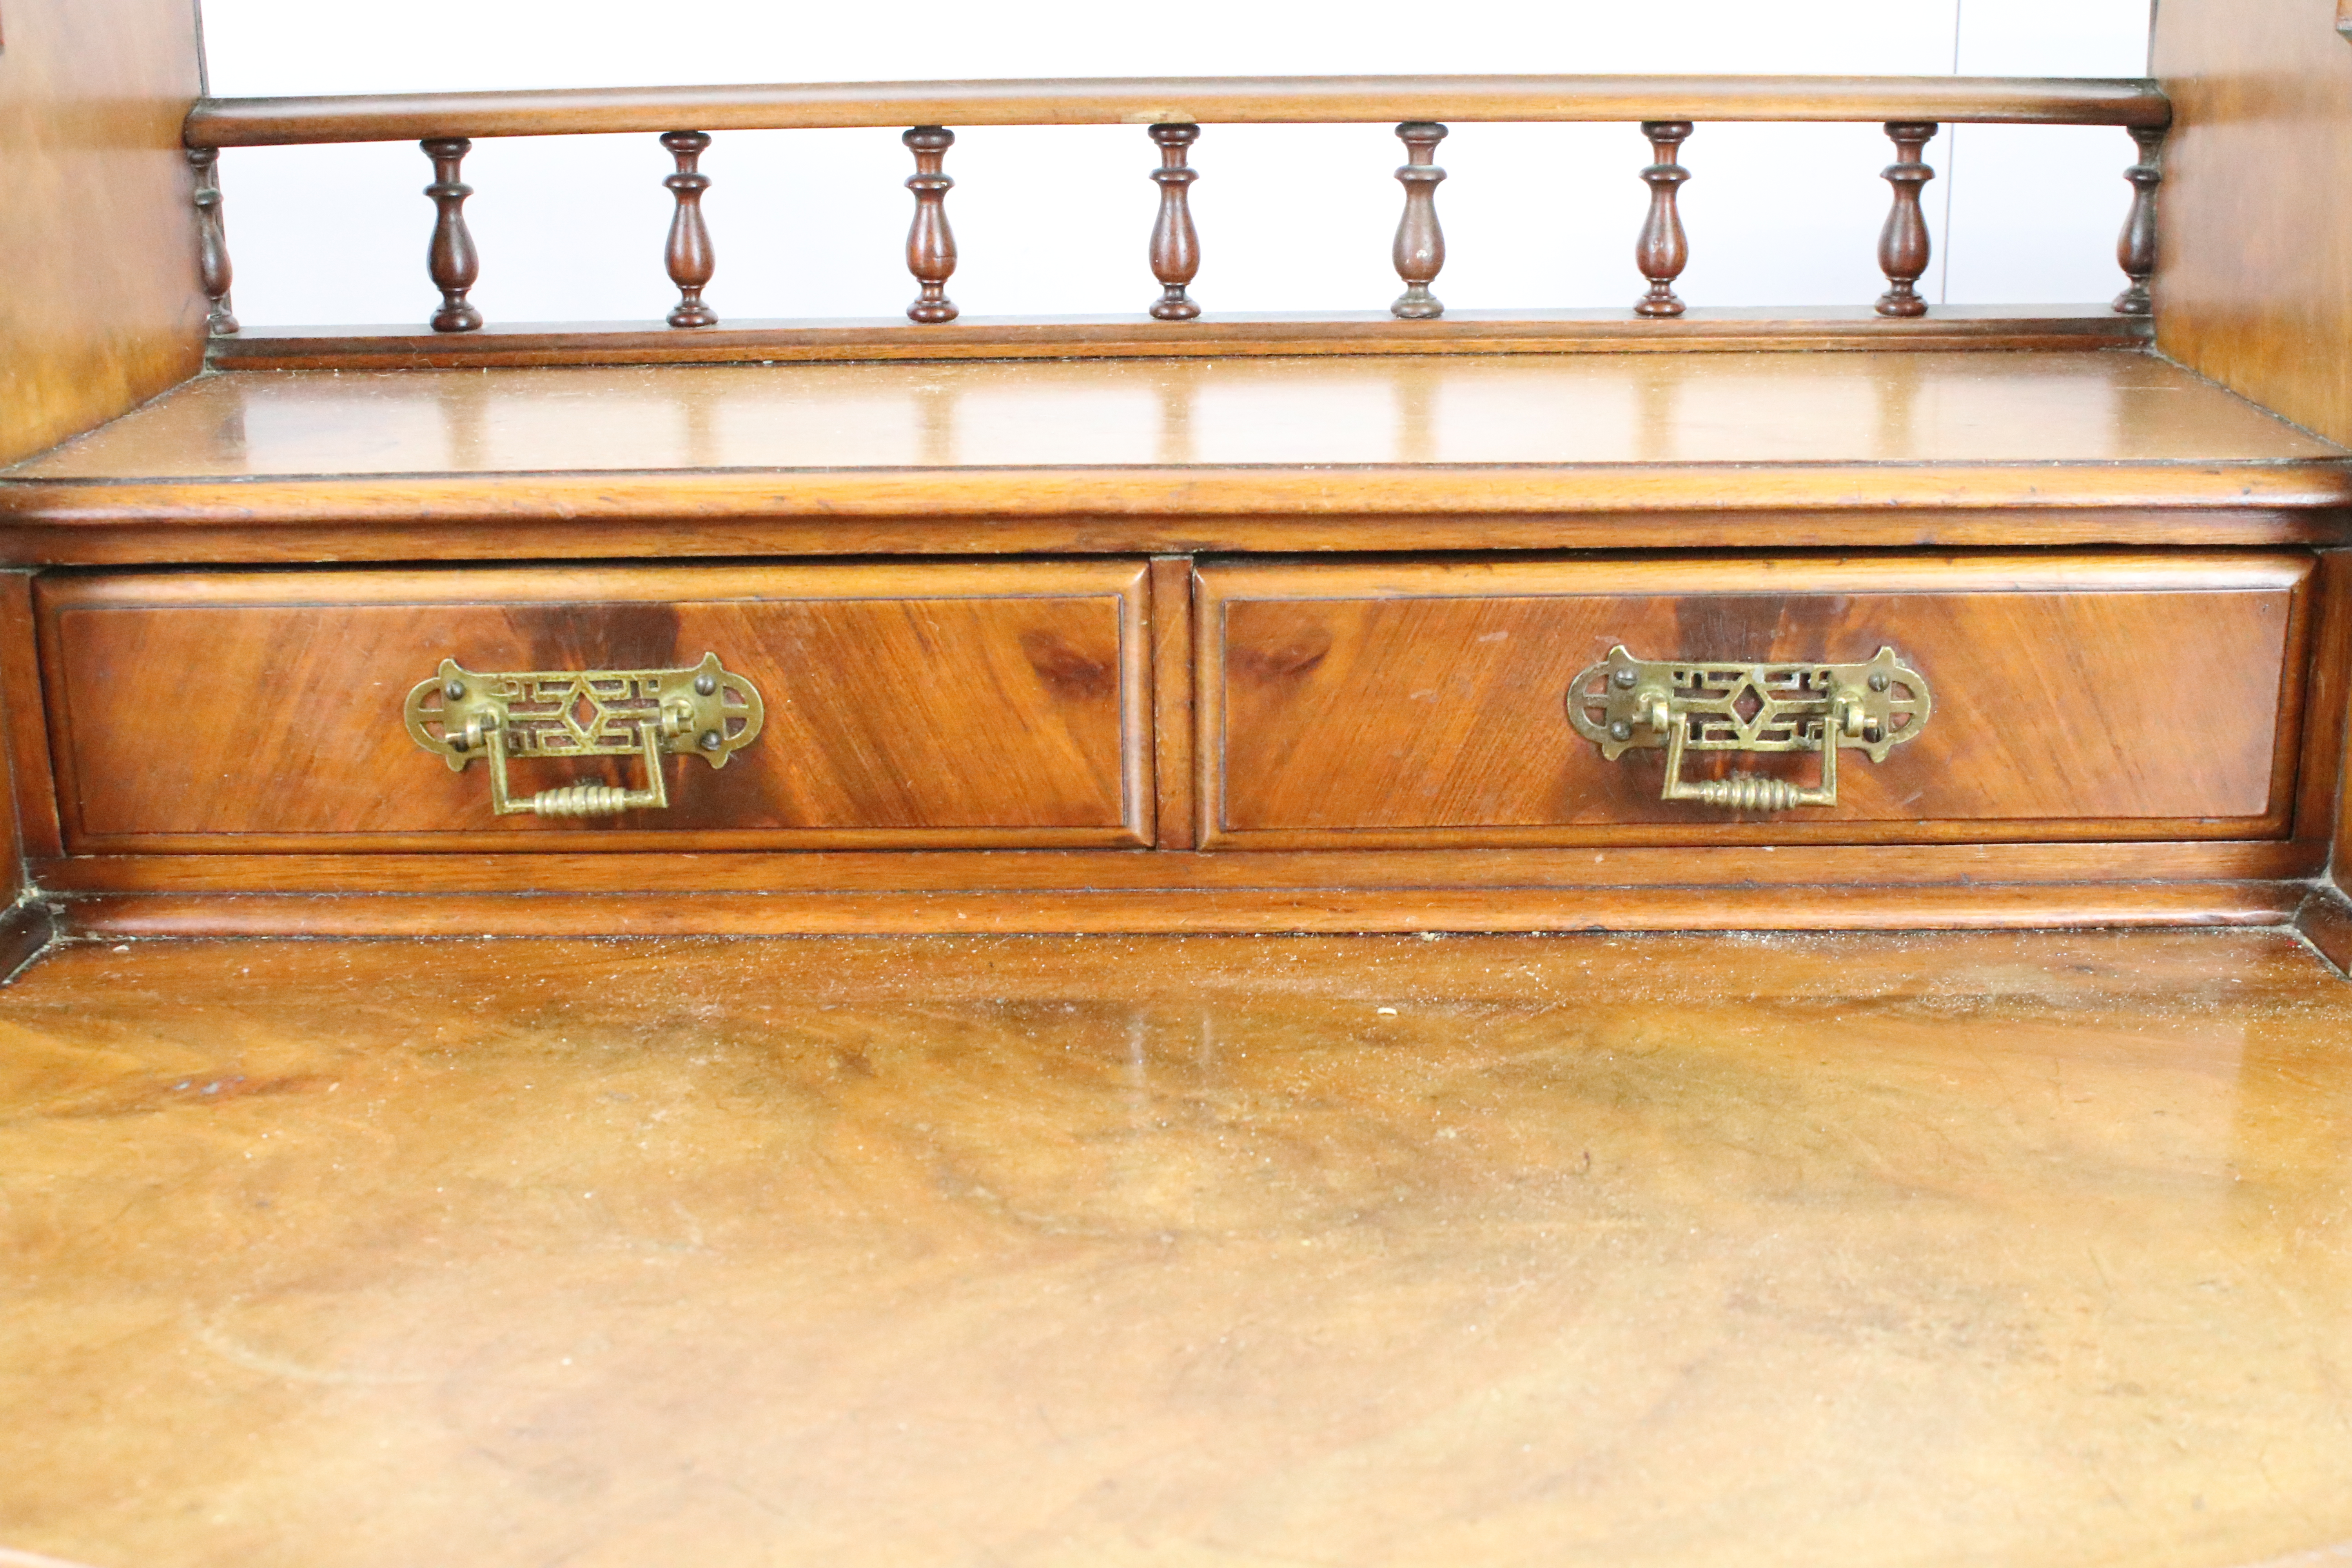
952,705
2109,697
2254,287
99,305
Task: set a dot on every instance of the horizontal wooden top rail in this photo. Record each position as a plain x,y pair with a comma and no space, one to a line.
399,117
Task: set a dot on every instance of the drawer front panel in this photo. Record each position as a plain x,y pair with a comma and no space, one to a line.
1425,703
938,705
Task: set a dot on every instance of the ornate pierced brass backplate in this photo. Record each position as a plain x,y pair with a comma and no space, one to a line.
1685,706
703,711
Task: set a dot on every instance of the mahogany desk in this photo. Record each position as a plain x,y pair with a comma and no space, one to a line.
1648,936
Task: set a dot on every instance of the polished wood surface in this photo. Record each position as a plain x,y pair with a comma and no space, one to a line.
1175,243
2135,248
267,122
2255,249
101,301
949,705
1663,249
1419,250
2009,1248
214,266
1228,336
1606,413
1171,701
930,243
1902,243
688,254
451,258
1423,704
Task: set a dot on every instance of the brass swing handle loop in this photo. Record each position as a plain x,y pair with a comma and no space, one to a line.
1623,703
703,710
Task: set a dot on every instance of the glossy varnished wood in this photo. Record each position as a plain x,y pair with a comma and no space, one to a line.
948,705
1422,703
1499,451
1223,335
2012,1248
2254,251
102,302
264,122
1608,411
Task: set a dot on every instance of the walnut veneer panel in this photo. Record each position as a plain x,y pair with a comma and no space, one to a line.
1422,703
2095,408
99,306
2257,248
947,705
1683,1253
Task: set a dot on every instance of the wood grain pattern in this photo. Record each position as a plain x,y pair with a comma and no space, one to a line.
1172,703
2253,249
1421,704
103,306
1224,100
23,707
954,705
1237,335
1227,911
886,1252
2327,701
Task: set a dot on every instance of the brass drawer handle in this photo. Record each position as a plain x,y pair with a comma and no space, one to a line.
704,709
1623,702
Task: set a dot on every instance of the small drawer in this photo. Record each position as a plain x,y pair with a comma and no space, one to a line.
1427,703
934,705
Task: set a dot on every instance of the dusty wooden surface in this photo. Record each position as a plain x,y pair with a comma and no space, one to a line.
1967,1248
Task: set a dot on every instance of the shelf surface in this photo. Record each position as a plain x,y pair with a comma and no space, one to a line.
1358,412
1502,451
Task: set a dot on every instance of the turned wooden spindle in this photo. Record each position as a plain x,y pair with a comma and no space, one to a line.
211,241
1420,250
931,244
1902,243
1175,246
688,252
451,260
1661,252
2136,249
